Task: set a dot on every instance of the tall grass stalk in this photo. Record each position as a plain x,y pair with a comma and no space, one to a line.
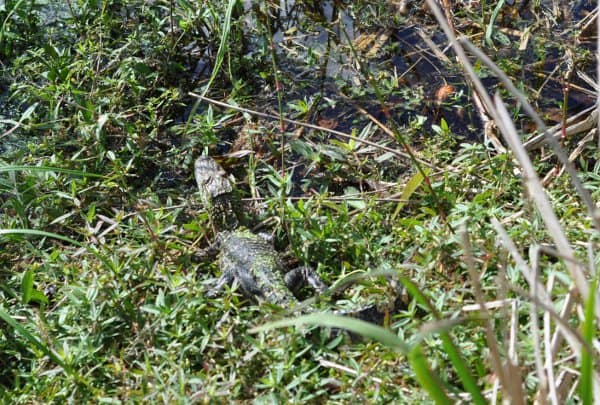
223,46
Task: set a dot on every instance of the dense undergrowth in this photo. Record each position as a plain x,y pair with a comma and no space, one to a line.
101,297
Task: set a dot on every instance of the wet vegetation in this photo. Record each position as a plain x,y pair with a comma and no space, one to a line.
359,141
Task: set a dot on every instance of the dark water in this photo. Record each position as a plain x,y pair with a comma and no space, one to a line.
50,17
9,114
326,29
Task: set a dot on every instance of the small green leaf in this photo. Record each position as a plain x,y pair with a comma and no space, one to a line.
91,214
38,297
411,186
354,198
27,286
444,126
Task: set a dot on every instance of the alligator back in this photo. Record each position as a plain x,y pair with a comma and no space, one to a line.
256,266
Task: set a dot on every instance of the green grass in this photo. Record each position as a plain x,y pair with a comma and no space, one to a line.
102,298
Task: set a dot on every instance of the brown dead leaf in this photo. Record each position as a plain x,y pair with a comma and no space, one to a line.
327,123
443,93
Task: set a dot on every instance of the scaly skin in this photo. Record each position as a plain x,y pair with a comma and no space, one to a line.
216,192
250,260
244,256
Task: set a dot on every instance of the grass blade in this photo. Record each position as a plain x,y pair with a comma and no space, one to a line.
55,357
489,32
363,328
16,168
27,286
539,196
586,387
35,232
7,19
411,186
462,369
429,381
218,61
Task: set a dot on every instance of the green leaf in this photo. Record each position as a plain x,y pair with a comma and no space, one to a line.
490,28
411,186
354,200
38,297
27,286
444,126
91,214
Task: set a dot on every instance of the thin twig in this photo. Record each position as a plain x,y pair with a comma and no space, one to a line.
542,202
545,390
493,343
316,127
558,150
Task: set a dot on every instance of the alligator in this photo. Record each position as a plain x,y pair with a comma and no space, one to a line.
248,258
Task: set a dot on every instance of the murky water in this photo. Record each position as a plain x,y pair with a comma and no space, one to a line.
52,16
327,46
328,51
10,141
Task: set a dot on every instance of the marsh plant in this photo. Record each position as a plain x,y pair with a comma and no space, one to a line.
369,139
